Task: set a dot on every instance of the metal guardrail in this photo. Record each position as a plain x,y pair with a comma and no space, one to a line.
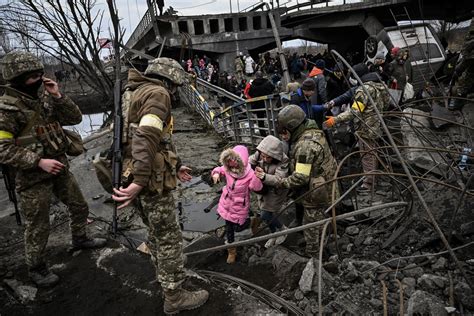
238,121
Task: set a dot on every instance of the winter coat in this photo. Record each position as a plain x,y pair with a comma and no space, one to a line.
320,95
313,111
234,203
260,87
249,62
273,198
311,164
366,122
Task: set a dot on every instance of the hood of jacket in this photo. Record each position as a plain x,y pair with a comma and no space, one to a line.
235,161
315,71
136,79
309,124
272,147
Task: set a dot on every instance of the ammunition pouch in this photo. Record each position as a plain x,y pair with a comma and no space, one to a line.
75,145
164,174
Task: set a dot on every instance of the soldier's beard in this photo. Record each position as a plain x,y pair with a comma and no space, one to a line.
30,89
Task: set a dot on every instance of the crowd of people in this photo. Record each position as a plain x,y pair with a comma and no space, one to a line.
300,162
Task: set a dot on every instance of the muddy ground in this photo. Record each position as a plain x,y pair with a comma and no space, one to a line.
119,280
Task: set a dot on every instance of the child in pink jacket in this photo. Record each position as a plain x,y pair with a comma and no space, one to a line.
234,203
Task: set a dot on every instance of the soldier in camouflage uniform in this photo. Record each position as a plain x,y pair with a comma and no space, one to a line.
367,124
464,71
311,164
33,142
151,168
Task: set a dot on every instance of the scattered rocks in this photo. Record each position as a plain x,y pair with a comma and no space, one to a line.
423,303
299,295
352,230
284,260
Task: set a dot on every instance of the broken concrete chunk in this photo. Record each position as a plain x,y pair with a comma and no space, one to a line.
352,230
430,282
464,294
423,303
412,270
25,293
440,264
309,278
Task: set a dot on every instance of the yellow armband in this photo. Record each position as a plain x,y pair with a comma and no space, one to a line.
358,106
303,168
5,135
151,120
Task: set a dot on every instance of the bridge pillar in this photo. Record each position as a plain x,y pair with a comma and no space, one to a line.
221,25
372,25
206,26
191,27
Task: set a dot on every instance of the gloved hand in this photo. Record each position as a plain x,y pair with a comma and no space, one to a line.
330,122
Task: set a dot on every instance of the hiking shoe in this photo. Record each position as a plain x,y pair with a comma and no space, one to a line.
42,277
180,299
270,243
84,242
281,239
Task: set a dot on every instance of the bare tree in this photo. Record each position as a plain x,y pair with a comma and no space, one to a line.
65,29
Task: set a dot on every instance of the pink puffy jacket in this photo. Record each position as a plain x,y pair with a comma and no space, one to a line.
234,203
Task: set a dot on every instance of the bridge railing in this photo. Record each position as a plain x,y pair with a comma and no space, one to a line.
143,26
244,122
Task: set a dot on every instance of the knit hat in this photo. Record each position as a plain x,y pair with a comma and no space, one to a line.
380,55
308,85
361,69
394,51
320,63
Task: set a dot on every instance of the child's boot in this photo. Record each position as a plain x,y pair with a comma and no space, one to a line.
232,253
254,224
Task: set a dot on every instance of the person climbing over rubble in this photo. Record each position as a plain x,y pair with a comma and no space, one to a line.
464,72
271,165
33,142
234,203
151,169
311,165
367,125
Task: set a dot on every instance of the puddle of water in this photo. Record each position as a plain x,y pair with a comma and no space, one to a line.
90,123
196,196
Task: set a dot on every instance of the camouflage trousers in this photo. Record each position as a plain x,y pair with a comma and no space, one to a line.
311,235
369,160
166,241
35,202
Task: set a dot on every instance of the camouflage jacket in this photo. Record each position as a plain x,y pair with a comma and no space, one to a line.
150,112
362,111
16,111
310,157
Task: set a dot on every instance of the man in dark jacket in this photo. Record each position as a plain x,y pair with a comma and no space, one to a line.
260,87
303,97
317,74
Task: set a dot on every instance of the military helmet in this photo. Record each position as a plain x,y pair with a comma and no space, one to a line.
17,63
290,117
167,68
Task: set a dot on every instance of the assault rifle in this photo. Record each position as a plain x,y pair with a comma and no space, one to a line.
10,186
117,145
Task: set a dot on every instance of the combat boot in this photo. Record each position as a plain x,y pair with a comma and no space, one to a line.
232,254
85,242
181,299
42,277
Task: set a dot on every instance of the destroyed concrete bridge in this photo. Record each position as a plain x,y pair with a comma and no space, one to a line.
342,26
